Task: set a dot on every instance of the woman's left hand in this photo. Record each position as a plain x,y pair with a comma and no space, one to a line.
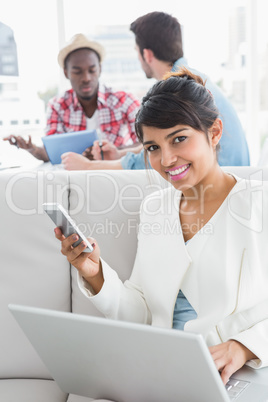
229,357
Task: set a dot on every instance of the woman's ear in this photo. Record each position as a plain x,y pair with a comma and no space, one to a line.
215,132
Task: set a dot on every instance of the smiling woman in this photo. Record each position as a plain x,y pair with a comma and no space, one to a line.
180,130
178,121
194,278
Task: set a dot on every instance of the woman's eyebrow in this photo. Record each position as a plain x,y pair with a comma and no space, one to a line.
148,142
175,132
167,137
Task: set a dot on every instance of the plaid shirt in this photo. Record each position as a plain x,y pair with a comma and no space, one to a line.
117,111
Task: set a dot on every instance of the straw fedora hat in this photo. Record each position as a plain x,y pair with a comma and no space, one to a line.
79,41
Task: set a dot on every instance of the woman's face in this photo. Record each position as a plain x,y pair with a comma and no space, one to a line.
181,154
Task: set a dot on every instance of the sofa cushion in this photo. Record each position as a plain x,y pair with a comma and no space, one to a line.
249,172
33,271
22,390
77,398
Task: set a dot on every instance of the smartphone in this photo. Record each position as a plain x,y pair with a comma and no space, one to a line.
62,220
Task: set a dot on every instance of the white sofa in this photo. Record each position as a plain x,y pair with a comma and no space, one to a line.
33,271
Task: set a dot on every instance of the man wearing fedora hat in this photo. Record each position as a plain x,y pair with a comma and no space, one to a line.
89,104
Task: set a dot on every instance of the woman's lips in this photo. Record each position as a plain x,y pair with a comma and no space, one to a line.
178,173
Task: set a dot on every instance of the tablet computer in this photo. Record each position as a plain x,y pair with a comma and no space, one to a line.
75,141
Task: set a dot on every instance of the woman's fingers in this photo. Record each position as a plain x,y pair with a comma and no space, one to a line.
67,242
87,263
71,252
58,234
229,357
75,255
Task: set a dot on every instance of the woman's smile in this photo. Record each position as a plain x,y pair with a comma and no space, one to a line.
178,172
181,154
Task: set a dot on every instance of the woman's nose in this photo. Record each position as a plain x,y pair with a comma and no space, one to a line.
168,158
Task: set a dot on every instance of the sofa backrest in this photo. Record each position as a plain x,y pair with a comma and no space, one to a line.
104,204
32,270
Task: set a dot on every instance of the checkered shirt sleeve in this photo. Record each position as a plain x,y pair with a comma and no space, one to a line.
117,112
64,114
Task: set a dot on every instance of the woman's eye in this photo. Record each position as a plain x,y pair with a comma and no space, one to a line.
180,139
151,148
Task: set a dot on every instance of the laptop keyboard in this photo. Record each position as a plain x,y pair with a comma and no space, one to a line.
234,387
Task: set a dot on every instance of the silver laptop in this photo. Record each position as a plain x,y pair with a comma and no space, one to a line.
127,362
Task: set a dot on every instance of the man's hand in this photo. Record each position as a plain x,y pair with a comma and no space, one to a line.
20,142
110,152
74,161
229,357
88,153
38,152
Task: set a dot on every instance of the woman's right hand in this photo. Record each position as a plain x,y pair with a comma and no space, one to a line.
88,264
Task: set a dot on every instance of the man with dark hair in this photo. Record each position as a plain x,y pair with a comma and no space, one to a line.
89,104
159,47
166,45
